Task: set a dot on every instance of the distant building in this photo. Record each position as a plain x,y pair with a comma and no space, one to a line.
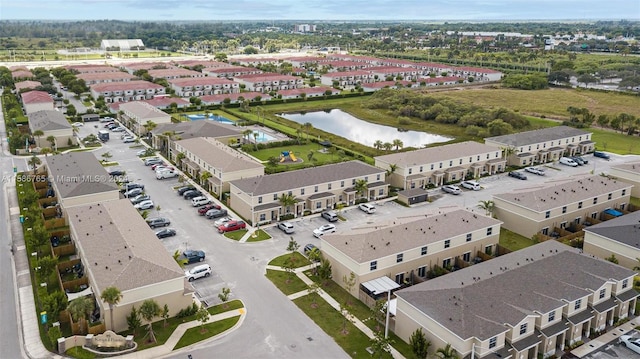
304,28
121,45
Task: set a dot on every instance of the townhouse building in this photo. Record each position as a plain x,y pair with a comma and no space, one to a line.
21,74
135,116
348,78
164,135
267,82
377,86
302,61
135,66
174,73
478,74
26,85
525,304
561,203
442,164
127,91
619,237
202,86
344,66
222,163
308,92
34,101
161,103
315,189
255,61
51,123
630,173
92,78
429,68
441,81
230,71
393,73
407,248
236,97
543,145
91,69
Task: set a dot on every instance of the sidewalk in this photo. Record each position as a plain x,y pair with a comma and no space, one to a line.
597,343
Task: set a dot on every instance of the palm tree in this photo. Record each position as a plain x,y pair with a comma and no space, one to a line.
314,256
392,169
80,309
298,134
45,151
204,177
246,133
287,200
255,139
361,187
447,353
52,141
149,310
111,296
398,144
38,133
307,127
149,126
488,206
179,157
387,146
34,161
377,145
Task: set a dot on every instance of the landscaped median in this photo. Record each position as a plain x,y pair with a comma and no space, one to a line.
257,236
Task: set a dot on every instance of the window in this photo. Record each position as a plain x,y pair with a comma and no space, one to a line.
381,192
470,159
579,205
489,231
594,215
275,196
468,237
578,304
353,181
466,257
440,165
610,196
259,199
625,283
461,161
493,342
329,186
563,225
423,251
450,163
564,209
422,271
595,200
399,258
410,170
290,193
523,328
545,231
315,189
624,191
302,192
603,292
447,243
547,214
420,168
487,156
341,183
446,263
478,158
552,317
378,177
263,217
400,278
373,265
318,205
432,166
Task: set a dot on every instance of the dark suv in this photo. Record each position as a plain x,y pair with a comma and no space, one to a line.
158,222
184,189
191,194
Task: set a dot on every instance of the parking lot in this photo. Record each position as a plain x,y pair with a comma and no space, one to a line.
615,350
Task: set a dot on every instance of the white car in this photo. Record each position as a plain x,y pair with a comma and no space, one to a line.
286,227
367,208
631,343
117,129
472,185
129,139
222,221
198,272
535,170
77,124
449,188
148,204
200,201
322,230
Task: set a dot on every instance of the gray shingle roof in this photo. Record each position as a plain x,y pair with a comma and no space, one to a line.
190,129
48,120
385,238
78,174
219,155
143,110
479,300
306,177
537,136
554,194
437,154
119,248
624,229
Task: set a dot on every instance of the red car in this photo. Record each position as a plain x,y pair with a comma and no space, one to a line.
203,210
153,167
232,226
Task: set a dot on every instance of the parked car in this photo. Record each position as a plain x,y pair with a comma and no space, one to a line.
116,173
158,222
110,125
200,201
222,221
308,248
152,161
568,162
286,227
77,124
166,232
117,129
216,213
453,189
630,342
206,208
367,208
163,167
106,119
162,174
601,154
133,192
193,256
473,185
518,175
192,194
146,204
129,139
184,189
198,272
141,153
322,230
231,226
130,186
581,161
330,216
535,170
157,165
139,198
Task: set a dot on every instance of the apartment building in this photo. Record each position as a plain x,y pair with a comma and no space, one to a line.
561,203
267,82
377,86
307,91
26,85
628,172
91,69
92,78
51,123
442,164
165,135
407,248
135,66
315,189
347,78
543,145
222,163
34,101
237,97
619,237
525,304
127,91
393,73
174,73
135,116
230,71
188,87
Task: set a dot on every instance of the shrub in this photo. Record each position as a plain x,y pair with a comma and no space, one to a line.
188,311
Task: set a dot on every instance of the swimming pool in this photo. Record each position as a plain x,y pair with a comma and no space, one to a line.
263,137
217,118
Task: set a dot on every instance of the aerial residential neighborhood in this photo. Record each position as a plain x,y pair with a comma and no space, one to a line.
364,189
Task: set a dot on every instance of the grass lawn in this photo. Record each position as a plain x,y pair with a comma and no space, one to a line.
514,241
298,260
194,335
287,283
80,353
615,142
635,201
236,235
260,236
352,340
300,151
220,308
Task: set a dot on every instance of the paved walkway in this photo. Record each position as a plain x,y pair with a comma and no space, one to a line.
613,334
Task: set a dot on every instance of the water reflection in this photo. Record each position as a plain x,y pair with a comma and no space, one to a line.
344,125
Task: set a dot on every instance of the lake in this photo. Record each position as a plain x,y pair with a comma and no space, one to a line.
344,125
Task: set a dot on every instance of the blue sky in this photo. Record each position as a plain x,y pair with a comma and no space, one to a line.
319,9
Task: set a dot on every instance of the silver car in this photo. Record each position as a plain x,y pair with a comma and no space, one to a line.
453,189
